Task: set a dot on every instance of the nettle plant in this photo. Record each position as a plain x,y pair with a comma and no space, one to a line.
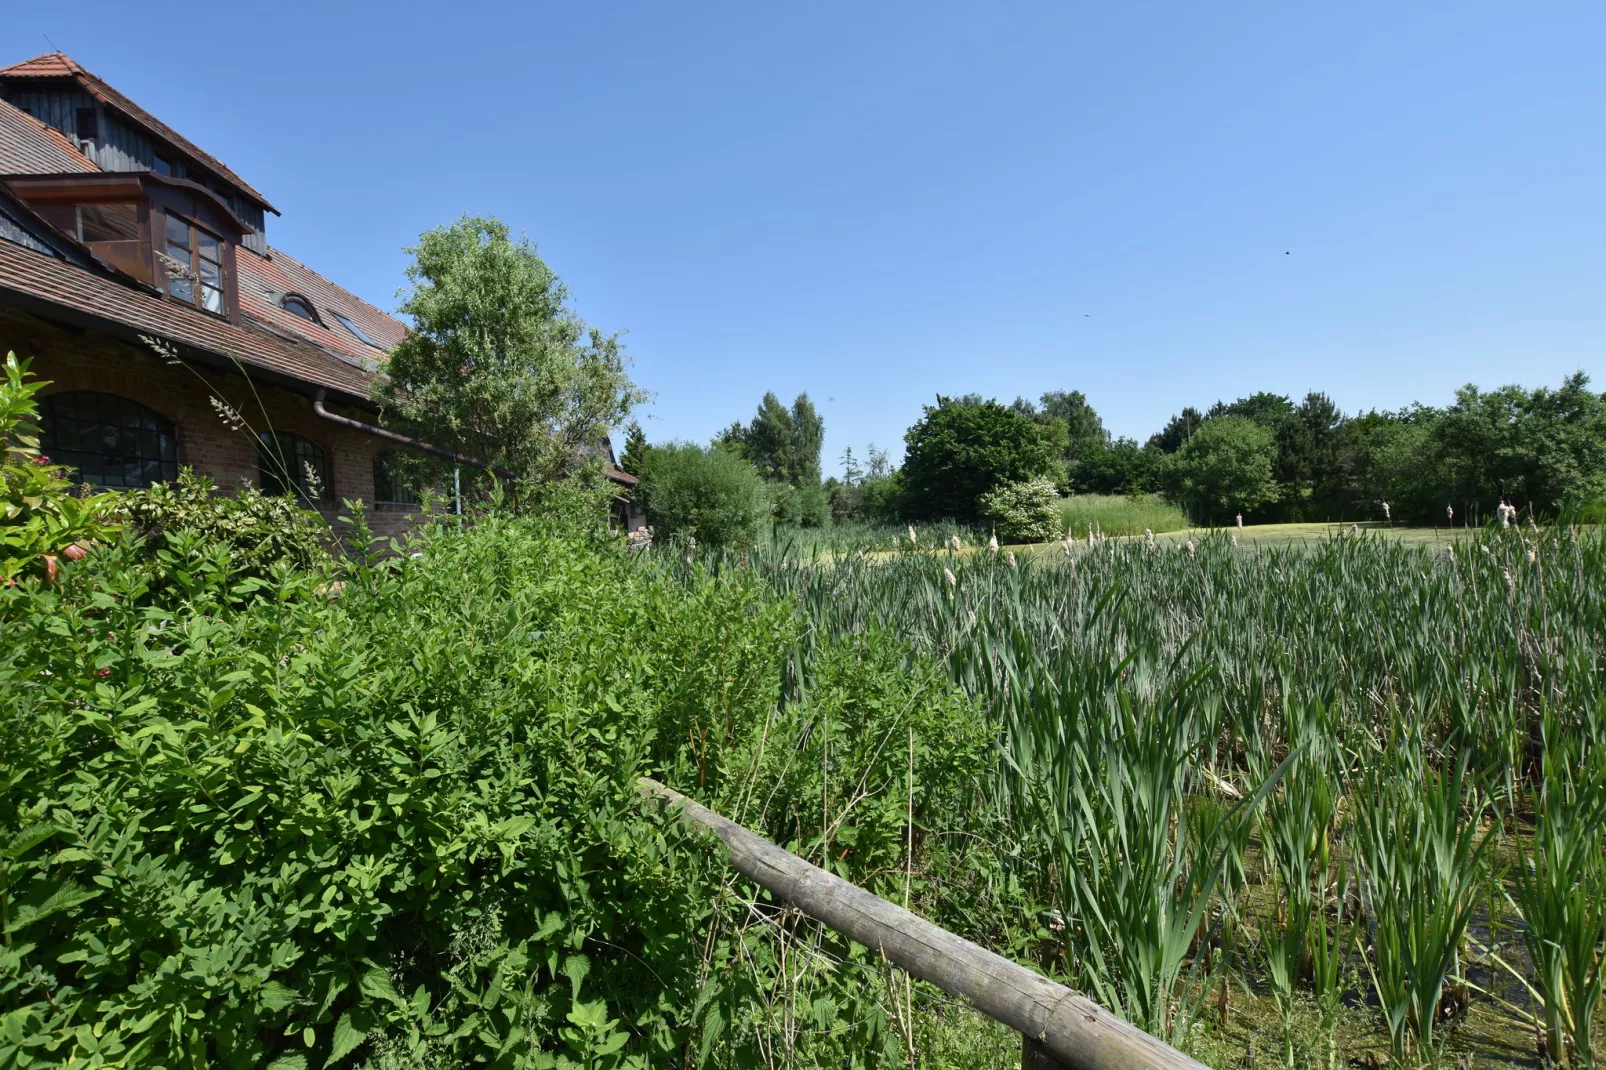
40,519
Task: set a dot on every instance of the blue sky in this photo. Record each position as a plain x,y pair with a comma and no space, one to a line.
1159,205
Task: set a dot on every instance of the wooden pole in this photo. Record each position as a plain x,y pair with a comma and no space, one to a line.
1065,1026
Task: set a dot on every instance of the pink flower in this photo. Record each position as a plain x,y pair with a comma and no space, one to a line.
41,460
104,672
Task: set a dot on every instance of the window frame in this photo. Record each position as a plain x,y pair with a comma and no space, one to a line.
301,450
293,298
386,480
78,220
164,430
195,282
356,330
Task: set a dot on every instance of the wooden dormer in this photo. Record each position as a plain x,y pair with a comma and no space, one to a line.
175,236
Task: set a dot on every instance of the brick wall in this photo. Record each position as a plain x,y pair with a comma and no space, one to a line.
73,360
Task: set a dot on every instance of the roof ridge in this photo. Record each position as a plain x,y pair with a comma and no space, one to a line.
136,113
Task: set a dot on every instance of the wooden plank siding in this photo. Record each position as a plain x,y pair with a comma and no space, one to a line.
124,147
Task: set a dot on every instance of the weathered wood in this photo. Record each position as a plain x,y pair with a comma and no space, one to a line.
1033,1056
1069,1027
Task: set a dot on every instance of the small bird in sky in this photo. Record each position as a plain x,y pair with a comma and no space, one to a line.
1285,252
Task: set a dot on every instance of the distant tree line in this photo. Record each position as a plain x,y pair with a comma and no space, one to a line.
1265,456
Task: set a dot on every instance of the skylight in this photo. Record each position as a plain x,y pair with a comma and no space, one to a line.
345,321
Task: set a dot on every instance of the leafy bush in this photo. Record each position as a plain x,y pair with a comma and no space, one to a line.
1028,511
1225,468
710,494
800,507
403,826
960,450
39,517
259,530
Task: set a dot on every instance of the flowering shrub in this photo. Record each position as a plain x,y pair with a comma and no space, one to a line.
1027,511
40,520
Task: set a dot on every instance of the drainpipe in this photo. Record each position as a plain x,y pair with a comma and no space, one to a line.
417,444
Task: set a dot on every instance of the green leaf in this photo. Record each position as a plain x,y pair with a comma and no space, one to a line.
376,984
347,1037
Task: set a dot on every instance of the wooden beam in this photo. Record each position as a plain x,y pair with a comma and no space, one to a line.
1066,1026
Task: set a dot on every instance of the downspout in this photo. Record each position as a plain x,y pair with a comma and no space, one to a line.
417,444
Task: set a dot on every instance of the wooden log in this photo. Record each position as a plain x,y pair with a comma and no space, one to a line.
1067,1026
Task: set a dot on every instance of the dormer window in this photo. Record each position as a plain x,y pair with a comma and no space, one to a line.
87,122
194,263
297,305
162,166
108,222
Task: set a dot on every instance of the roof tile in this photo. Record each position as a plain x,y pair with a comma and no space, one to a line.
30,147
264,282
46,278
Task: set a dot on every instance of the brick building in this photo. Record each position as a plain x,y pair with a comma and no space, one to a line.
136,274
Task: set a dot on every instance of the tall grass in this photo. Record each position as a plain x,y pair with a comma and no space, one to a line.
1138,692
1116,514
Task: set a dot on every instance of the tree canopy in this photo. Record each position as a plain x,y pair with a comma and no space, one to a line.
497,365
957,452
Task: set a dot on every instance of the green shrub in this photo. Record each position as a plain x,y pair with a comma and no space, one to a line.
960,450
39,517
406,817
711,494
1027,511
259,530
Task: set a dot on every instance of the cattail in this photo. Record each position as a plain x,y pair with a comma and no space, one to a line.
1533,555
955,543
912,540
1450,549
950,574
1354,529
1012,559
1235,540
1240,521
992,543
1449,513
1511,584
1386,515
1190,547
1090,539
1066,546
1148,535
1485,548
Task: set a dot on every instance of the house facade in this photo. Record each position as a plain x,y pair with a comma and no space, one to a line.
137,277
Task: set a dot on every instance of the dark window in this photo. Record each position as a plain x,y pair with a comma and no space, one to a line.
297,305
108,222
162,167
109,441
345,321
88,124
287,462
195,265
388,486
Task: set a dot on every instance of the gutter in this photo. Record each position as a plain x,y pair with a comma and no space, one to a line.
417,444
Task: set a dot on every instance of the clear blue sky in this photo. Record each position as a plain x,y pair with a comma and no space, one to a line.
878,202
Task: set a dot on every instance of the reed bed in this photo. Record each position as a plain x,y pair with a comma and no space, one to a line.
1359,784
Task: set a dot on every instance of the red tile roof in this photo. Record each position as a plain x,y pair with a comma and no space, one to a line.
60,65
30,147
263,284
46,279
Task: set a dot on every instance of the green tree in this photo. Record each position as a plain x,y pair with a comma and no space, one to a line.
783,444
1083,426
1177,430
1543,446
958,452
1118,467
634,456
1226,467
709,493
497,365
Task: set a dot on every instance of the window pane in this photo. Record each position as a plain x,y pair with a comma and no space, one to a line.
211,248
109,441
181,289
108,222
161,166
179,253
178,232
211,274
212,299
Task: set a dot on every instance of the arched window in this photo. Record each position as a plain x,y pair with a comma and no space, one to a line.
288,462
110,441
297,305
388,486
